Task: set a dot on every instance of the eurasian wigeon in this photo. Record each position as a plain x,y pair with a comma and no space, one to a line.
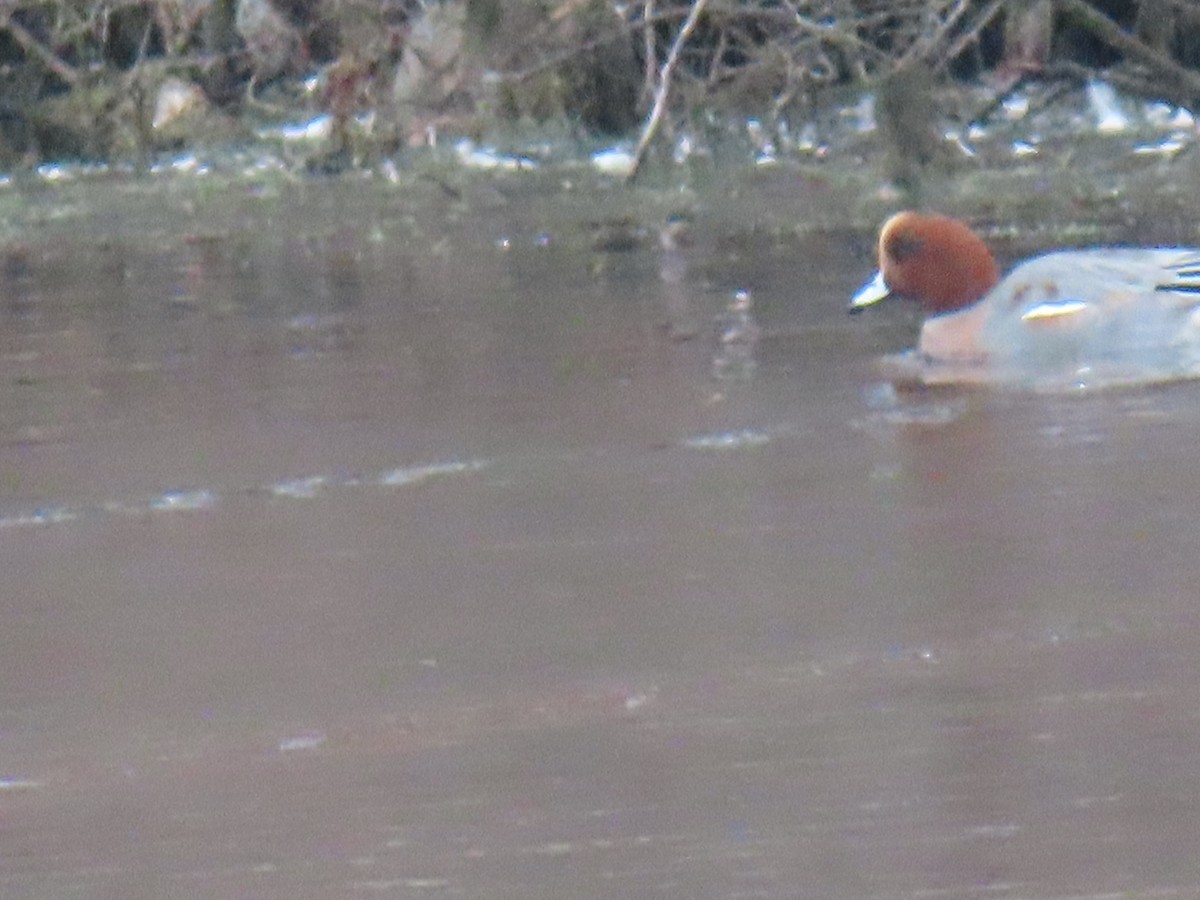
1101,316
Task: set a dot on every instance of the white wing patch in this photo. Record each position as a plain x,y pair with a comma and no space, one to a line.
1053,310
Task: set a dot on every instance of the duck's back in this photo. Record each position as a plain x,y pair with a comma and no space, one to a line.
1105,275
1114,313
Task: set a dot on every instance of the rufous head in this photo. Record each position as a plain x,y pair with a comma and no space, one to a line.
936,260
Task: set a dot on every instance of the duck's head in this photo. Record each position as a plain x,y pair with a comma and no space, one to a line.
936,260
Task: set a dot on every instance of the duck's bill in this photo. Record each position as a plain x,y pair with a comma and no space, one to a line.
869,294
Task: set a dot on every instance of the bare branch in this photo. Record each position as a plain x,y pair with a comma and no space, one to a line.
1112,34
664,86
44,54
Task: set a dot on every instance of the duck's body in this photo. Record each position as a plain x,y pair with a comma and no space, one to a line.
1110,315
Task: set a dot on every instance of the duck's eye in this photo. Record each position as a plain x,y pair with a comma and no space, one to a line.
903,246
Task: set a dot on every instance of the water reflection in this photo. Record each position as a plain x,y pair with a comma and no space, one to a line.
738,337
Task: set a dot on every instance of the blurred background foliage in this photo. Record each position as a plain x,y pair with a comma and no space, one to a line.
98,79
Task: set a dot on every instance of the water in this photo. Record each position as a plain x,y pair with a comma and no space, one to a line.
357,544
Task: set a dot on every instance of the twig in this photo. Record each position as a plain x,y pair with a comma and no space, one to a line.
714,72
33,46
1061,78
971,34
924,49
1112,34
648,51
664,87
834,33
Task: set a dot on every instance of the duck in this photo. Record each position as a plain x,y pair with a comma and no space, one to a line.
1068,318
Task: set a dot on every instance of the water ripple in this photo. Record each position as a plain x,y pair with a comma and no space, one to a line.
187,500
728,440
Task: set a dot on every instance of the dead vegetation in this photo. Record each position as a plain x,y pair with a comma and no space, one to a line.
129,78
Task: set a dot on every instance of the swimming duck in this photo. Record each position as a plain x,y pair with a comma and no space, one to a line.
1068,318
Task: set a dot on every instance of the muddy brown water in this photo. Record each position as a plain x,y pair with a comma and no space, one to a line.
352,549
